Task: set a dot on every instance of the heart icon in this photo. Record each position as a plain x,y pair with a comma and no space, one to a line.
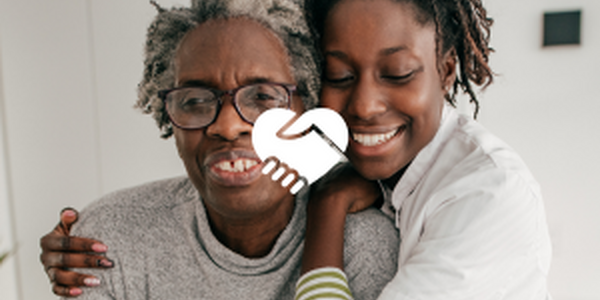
304,143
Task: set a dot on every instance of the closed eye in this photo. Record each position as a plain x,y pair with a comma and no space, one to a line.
195,101
339,80
195,104
398,78
263,97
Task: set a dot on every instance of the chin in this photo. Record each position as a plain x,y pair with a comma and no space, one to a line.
373,170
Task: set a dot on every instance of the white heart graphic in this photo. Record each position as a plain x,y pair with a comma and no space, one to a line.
299,146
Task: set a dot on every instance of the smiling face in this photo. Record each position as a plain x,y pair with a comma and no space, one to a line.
381,74
220,159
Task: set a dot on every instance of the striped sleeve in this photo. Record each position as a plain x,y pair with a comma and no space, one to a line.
323,283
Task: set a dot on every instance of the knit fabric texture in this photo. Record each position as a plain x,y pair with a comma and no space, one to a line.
163,248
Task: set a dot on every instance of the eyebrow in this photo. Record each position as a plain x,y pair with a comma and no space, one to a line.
257,79
204,83
336,54
190,83
392,50
383,52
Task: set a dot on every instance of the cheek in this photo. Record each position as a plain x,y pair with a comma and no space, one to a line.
420,99
187,143
297,104
332,98
179,144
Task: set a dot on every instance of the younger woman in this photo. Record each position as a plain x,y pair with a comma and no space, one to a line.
470,214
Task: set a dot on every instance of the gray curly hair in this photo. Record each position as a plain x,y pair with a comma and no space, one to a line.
284,18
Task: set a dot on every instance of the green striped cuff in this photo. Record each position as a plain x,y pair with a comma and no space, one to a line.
323,283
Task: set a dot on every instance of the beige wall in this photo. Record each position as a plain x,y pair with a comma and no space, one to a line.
69,71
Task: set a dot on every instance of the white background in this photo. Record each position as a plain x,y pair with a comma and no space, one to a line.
68,133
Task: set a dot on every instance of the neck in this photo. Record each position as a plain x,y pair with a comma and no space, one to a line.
393,180
255,235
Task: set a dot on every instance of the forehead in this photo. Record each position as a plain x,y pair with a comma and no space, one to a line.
375,25
226,53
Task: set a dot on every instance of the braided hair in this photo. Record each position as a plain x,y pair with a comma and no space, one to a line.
461,25
285,18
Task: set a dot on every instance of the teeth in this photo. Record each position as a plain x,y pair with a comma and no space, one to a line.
236,166
373,139
249,163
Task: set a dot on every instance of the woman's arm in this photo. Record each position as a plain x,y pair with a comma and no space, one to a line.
61,252
330,201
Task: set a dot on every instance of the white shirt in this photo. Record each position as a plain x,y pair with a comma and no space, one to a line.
471,218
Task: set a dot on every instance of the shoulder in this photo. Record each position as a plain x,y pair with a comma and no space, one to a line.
463,151
132,207
368,226
370,252
480,145
468,169
371,233
162,193
479,159
474,176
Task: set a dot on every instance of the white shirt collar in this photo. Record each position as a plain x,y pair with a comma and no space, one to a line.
422,162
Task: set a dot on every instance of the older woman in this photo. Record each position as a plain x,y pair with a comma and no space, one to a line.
225,231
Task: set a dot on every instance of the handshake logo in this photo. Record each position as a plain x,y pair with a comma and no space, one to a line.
303,148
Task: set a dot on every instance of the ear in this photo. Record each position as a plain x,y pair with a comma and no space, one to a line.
448,69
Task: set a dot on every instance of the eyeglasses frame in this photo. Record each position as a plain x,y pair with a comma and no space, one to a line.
162,94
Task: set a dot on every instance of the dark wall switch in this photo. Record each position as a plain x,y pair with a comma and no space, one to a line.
562,28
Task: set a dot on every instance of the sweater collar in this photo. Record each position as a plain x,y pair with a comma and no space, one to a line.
194,219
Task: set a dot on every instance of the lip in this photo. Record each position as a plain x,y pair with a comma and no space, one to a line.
233,168
375,141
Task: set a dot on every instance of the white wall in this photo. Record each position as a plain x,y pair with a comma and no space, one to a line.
8,269
70,73
70,69
545,104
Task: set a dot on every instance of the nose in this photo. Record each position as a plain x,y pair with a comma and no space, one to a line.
367,100
228,125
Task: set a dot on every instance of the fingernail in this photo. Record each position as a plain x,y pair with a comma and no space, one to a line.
101,248
105,263
68,213
90,281
75,292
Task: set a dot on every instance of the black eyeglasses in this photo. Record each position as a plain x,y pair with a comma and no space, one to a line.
197,107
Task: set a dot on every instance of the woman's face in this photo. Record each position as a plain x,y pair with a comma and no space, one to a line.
220,159
381,74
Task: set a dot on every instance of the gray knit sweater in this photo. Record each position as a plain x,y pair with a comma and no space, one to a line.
163,248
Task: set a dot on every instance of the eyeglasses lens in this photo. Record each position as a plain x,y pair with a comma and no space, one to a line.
191,107
253,100
196,107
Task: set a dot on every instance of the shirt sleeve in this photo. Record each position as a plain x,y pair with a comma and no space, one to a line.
474,243
323,283
370,261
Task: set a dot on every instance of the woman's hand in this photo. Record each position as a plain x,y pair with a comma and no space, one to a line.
340,192
61,252
346,185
